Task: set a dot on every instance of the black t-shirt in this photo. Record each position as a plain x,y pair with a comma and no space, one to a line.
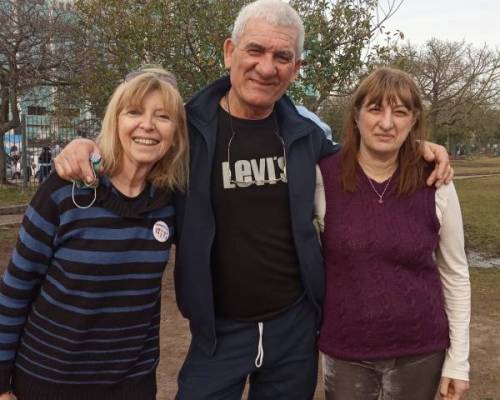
255,267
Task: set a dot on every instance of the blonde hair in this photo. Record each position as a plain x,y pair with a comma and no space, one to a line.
172,170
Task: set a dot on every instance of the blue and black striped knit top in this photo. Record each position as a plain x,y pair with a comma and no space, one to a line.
80,299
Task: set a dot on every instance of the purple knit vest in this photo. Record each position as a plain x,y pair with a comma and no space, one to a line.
384,297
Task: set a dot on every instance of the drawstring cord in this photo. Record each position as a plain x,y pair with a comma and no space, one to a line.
260,348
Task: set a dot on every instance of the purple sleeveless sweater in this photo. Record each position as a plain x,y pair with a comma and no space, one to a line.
383,291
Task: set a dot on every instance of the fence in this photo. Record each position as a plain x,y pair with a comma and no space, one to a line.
43,137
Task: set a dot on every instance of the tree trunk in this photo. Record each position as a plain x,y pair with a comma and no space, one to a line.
3,174
432,124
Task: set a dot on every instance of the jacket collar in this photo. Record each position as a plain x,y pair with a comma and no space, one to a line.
202,111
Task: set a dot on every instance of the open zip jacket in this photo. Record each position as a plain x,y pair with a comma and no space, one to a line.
305,144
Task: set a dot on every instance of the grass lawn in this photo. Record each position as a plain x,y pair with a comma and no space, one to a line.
480,202
476,166
14,195
486,282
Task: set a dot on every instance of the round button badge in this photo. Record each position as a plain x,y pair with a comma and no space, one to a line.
161,231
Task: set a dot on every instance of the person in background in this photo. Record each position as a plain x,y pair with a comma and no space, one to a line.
14,153
397,305
80,299
44,164
15,163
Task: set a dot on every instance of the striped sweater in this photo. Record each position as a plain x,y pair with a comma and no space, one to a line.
80,298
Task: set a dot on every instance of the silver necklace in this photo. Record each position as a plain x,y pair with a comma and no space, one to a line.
233,134
380,196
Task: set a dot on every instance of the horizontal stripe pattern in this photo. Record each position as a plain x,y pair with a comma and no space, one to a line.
67,381
39,221
107,258
80,300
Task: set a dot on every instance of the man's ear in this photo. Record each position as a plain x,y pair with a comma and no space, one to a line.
296,68
229,47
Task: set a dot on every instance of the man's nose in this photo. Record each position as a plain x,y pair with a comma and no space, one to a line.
266,66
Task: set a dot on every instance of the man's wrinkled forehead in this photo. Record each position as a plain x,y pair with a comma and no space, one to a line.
283,37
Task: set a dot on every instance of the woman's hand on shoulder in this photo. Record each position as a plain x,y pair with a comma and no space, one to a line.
451,389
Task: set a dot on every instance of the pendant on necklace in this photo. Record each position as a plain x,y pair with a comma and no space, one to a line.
379,195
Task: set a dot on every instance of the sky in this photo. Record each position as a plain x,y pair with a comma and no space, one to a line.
475,21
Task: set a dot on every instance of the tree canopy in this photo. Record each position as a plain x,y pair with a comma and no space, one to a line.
460,85
34,53
87,55
186,36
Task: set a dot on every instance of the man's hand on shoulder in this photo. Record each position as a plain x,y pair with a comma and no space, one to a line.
443,172
73,162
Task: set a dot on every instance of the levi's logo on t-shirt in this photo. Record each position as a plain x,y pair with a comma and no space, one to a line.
261,171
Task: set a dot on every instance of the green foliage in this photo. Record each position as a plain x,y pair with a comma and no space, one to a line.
336,34
120,37
186,36
37,51
199,29
333,112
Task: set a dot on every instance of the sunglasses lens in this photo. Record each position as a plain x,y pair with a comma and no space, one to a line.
169,78
132,75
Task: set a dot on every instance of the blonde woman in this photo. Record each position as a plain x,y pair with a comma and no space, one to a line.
80,300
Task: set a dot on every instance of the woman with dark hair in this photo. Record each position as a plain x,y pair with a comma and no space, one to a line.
397,305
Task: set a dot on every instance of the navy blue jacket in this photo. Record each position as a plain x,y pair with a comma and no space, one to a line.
305,144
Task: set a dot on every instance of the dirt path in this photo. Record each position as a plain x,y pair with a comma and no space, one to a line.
474,176
10,219
174,340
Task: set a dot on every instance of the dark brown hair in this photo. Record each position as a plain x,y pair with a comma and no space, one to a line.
391,85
